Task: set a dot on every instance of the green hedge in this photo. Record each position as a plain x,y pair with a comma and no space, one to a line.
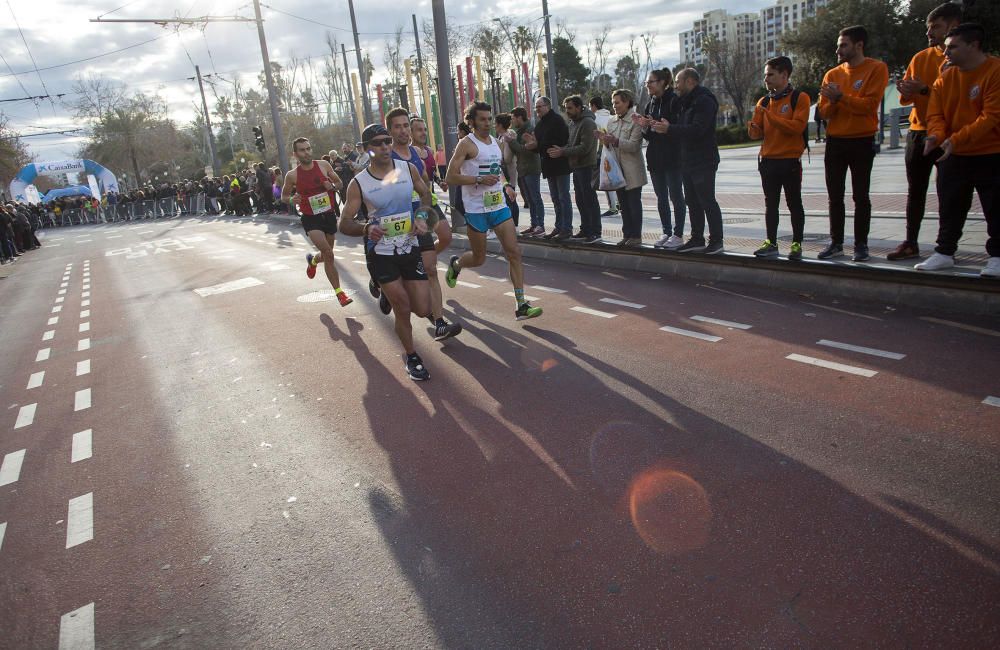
732,134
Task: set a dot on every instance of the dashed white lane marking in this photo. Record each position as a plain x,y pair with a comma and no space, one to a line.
842,311
60,299
10,471
85,327
53,320
85,313
43,354
724,323
83,241
85,303
226,287
48,335
3,529
623,303
64,285
470,285
548,289
83,367
733,293
992,401
82,400
83,344
36,379
493,278
80,520
961,326
113,237
85,294
863,350
62,292
82,445
85,287
526,297
593,312
812,361
694,335
57,309
76,629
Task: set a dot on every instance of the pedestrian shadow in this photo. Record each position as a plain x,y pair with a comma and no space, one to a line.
548,499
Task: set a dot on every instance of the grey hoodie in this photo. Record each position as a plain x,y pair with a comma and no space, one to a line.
581,149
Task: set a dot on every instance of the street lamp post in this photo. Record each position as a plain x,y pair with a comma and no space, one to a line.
549,59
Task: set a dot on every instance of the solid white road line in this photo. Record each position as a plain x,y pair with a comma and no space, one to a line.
226,287
724,323
43,354
82,445
548,289
82,400
83,367
694,335
468,284
992,401
76,629
80,520
48,335
36,379
863,350
53,320
812,361
83,344
85,327
526,297
961,326
10,471
3,529
26,415
85,313
841,311
57,309
593,312
623,303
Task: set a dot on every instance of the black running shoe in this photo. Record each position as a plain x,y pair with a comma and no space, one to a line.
374,289
415,367
384,304
446,331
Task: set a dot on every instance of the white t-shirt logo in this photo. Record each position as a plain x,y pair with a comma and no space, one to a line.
858,84
786,108
974,92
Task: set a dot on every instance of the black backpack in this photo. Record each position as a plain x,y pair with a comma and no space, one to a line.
766,100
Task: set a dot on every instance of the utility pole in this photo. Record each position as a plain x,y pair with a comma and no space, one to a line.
446,89
272,94
416,38
208,125
549,59
367,108
350,94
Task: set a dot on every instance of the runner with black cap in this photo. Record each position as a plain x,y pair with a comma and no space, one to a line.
314,184
386,188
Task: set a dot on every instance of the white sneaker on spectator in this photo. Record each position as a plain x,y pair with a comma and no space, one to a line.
491,235
673,243
992,268
661,241
936,262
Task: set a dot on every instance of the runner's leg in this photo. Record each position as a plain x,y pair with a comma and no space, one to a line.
399,298
507,235
430,266
476,256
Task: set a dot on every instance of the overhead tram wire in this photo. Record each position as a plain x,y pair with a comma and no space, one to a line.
30,55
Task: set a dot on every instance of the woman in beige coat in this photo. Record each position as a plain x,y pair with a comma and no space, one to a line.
624,136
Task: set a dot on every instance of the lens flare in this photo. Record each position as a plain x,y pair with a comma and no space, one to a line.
670,511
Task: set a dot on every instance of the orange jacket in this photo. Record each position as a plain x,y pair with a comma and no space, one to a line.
925,66
965,108
780,126
856,114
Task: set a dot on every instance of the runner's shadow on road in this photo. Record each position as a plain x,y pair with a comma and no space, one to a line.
563,503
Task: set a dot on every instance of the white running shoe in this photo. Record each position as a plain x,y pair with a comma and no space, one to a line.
661,241
936,262
992,268
673,243
491,235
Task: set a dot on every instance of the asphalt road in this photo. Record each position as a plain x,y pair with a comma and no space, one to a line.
252,468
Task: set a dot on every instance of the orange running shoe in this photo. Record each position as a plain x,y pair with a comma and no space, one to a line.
344,300
310,267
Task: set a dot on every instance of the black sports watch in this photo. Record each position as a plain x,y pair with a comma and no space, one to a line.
926,90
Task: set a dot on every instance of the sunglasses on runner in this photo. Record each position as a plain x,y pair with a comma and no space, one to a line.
381,142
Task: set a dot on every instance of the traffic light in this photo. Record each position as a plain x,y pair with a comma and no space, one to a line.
258,138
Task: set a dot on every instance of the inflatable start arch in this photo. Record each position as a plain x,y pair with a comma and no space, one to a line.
107,182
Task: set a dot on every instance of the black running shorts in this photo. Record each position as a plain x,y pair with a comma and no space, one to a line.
327,222
389,268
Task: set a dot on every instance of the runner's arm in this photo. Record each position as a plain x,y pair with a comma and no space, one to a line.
286,189
348,225
332,175
420,187
453,175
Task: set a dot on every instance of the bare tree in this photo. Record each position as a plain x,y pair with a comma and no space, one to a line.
736,71
393,59
13,152
96,97
597,60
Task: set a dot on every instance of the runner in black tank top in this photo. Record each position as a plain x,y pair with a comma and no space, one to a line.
314,183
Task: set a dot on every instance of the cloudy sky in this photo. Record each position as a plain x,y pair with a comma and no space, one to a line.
63,44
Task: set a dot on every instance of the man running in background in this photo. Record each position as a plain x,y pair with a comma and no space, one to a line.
475,168
314,183
386,189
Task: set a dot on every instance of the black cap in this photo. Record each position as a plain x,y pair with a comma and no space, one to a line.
371,132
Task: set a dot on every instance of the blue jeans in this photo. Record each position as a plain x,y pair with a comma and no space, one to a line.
559,192
533,192
586,201
668,185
